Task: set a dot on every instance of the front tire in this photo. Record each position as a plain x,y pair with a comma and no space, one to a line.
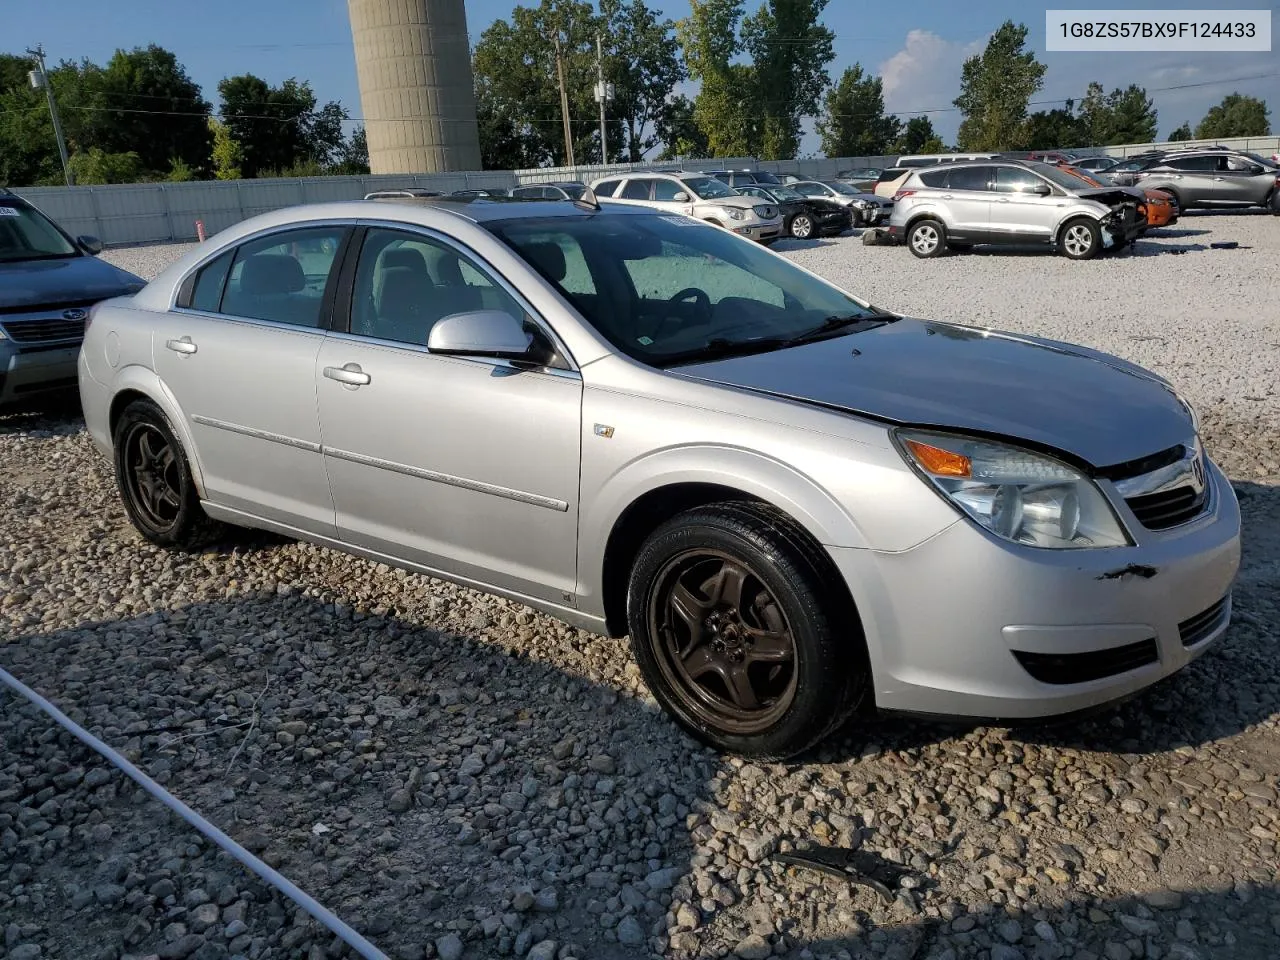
802,226
155,480
1081,239
738,627
927,238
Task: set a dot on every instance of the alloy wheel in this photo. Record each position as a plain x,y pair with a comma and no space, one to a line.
925,239
1078,240
801,227
153,480
723,642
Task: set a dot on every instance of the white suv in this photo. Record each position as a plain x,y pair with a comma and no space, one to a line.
695,195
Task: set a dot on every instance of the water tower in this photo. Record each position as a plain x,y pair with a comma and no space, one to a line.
414,66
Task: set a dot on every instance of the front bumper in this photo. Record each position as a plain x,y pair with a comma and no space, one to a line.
760,230
28,371
944,619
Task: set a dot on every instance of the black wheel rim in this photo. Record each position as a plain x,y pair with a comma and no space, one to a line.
153,482
723,642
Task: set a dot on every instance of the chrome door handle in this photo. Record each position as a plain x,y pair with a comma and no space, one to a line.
183,346
947,196
349,373
1219,178
1004,199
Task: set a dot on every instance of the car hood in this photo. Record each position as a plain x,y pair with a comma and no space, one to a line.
1082,402
745,203
37,283
1111,195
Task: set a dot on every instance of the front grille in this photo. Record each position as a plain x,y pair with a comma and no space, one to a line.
1168,508
1197,629
36,331
1063,668
50,308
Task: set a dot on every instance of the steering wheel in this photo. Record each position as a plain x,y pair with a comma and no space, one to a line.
701,302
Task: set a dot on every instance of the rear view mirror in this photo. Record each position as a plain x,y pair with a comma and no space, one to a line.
1041,190
481,333
90,245
681,197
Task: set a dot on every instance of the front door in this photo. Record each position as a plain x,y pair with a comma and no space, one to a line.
238,355
466,466
1018,213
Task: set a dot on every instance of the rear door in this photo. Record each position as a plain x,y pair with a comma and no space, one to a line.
238,353
1193,178
1018,214
968,202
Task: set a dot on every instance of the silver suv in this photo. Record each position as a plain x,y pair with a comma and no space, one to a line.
1211,179
698,196
1013,202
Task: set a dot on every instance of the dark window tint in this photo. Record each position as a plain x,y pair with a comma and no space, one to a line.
405,282
934,178
1194,163
723,177
812,189
283,277
667,190
207,293
763,176
605,188
1013,180
636,190
525,192
891,173
969,178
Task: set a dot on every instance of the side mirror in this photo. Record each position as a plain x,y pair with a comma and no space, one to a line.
481,333
90,245
681,197
1041,190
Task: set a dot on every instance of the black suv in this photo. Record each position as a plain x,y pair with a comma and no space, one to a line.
48,282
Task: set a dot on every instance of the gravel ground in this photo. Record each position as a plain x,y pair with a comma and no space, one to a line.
459,776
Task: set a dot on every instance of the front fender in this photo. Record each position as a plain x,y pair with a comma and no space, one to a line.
749,472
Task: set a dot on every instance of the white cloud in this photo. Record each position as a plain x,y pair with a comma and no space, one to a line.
925,75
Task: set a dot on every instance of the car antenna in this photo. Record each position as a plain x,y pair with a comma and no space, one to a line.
588,199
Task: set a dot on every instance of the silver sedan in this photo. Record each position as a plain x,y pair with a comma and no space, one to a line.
795,503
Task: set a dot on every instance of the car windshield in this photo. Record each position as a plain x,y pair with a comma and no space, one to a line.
708,188
763,176
1062,178
844,188
667,290
1256,158
572,190
27,234
786,193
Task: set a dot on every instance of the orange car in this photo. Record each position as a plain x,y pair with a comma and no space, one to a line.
1161,208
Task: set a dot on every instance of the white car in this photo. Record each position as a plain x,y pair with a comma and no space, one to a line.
698,196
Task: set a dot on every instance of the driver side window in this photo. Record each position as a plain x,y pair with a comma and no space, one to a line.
405,282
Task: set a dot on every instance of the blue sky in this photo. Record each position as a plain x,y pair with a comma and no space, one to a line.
917,47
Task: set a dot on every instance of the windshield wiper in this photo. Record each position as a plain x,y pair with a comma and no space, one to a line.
720,347
850,323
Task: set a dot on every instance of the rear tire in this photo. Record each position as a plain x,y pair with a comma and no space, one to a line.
155,482
1080,239
739,630
927,238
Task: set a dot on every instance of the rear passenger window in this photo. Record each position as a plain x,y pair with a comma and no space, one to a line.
666,190
605,188
207,293
969,178
636,190
934,178
1195,163
283,277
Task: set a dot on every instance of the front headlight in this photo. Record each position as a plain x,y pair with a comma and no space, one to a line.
1020,495
736,214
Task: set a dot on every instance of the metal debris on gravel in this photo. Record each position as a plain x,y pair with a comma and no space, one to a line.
458,776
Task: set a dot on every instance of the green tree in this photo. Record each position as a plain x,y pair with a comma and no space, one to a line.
227,154
918,136
789,51
180,172
642,61
725,105
1052,129
95,165
145,102
1133,116
853,123
352,157
28,151
507,140
279,128
1236,116
679,133
1181,133
995,89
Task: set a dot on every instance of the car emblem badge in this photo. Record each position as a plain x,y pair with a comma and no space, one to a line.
75,313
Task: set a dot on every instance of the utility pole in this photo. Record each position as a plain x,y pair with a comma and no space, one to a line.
602,94
564,104
39,78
